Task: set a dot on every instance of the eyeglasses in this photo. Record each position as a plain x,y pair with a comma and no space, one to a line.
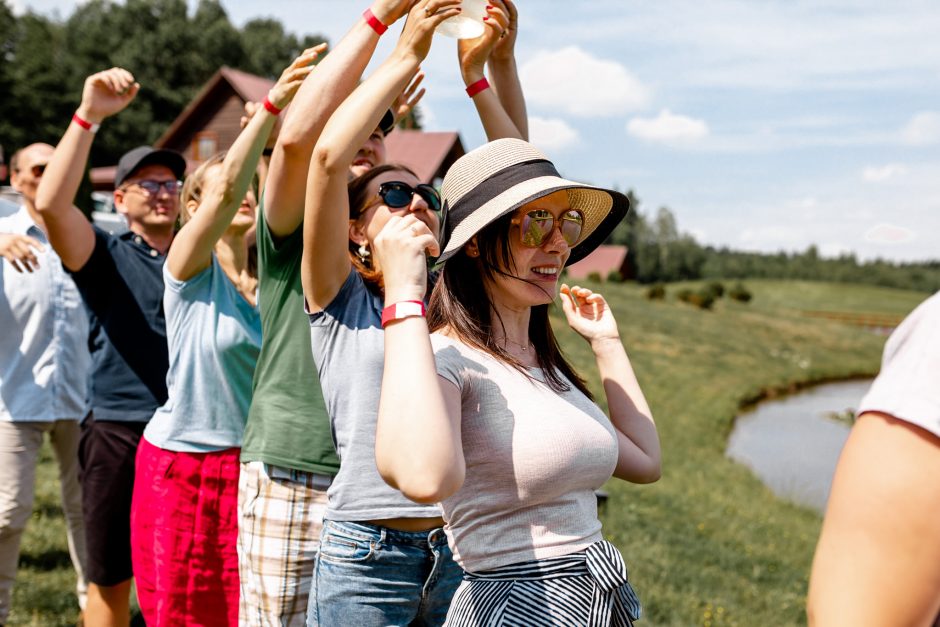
537,225
152,188
37,170
397,194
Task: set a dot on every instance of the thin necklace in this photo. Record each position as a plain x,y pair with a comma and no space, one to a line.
524,347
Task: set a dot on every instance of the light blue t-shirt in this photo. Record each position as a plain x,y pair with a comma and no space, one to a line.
214,337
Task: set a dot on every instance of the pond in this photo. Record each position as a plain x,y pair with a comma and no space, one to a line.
793,443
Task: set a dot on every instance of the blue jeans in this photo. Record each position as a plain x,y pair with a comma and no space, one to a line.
370,576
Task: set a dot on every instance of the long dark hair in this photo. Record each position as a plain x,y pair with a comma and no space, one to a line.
460,301
359,199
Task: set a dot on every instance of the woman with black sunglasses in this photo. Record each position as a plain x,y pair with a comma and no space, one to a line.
383,558
481,412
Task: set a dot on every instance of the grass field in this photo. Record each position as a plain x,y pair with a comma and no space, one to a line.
706,545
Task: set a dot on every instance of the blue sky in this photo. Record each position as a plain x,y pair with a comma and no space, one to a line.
762,124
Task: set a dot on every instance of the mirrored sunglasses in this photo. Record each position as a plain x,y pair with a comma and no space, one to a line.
537,225
397,194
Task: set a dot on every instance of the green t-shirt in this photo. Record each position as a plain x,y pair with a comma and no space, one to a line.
287,424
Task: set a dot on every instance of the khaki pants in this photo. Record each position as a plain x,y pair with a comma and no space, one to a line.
19,452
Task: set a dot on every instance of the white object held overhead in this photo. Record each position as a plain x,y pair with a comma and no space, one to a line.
467,25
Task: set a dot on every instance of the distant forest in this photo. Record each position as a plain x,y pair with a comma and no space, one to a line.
659,252
173,52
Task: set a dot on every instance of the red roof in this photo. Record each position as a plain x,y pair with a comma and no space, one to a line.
248,86
602,260
428,154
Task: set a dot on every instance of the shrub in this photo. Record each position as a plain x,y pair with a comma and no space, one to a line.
716,288
594,276
703,299
656,291
615,276
740,293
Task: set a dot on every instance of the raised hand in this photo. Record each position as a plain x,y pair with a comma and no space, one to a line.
388,11
17,249
424,17
293,75
504,49
251,108
401,250
106,93
588,314
474,53
408,98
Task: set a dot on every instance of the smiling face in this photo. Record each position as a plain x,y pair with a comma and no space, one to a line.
533,272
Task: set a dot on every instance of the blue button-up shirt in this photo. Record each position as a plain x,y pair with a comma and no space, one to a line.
44,359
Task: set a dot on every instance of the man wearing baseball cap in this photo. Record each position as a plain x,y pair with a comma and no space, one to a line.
120,279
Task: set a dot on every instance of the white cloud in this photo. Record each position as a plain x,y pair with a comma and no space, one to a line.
552,135
668,128
922,129
882,174
888,234
576,82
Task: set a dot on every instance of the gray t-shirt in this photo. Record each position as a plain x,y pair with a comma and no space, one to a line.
907,387
348,346
533,457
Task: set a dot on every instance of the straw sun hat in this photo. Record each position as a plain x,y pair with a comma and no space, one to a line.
498,178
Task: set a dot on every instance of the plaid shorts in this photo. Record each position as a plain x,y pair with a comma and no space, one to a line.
280,518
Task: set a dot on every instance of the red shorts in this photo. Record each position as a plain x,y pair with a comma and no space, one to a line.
184,532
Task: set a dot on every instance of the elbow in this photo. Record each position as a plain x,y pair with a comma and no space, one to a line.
328,160
423,486
428,490
648,470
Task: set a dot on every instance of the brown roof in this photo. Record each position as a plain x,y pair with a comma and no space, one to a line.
428,154
602,259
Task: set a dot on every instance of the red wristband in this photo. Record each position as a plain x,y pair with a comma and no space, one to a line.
85,124
477,87
374,22
270,107
403,309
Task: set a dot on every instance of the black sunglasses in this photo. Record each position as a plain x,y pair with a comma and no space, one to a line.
397,194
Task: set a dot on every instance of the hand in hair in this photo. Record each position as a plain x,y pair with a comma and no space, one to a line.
588,314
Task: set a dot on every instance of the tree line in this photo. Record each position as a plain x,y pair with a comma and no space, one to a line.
171,51
658,252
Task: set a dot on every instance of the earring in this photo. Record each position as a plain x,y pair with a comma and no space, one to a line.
364,252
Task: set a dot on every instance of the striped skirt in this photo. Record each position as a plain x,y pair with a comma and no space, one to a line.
585,589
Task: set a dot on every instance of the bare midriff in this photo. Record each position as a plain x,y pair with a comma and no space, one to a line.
409,524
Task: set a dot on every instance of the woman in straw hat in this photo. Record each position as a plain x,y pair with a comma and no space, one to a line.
481,412
383,558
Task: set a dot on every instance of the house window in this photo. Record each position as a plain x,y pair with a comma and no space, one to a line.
205,145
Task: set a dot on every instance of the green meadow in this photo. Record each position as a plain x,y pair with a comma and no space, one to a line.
706,545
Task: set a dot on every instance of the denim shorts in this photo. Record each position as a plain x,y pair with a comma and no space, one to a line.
371,576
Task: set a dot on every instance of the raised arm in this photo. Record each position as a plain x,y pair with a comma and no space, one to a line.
70,233
473,55
192,247
326,217
418,444
503,71
335,78
639,459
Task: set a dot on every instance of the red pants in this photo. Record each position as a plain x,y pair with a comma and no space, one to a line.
184,530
